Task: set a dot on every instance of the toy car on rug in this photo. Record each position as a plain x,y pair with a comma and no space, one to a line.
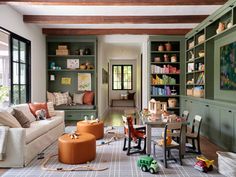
203,164
147,163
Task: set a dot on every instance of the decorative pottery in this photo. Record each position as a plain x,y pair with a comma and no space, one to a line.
82,66
166,58
81,52
161,48
173,58
201,53
221,27
168,46
201,38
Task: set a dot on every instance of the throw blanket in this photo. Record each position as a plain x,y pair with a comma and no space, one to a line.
3,141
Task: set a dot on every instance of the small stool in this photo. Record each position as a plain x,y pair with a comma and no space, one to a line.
76,151
93,127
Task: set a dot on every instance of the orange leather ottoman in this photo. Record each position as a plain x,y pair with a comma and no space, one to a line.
77,151
93,127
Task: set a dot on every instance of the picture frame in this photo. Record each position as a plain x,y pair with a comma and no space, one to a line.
66,81
72,63
104,76
228,66
84,82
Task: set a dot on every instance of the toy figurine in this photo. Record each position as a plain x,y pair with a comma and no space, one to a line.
147,163
203,164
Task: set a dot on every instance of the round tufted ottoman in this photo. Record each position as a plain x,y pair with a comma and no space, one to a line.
93,127
77,151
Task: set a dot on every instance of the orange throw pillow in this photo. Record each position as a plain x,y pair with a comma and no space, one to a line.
88,97
38,106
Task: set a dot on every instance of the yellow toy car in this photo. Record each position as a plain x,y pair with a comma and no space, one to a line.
203,164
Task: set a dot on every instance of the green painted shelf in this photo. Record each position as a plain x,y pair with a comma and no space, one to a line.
63,56
165,73
164,96
164,52
165,63
165,84
71,70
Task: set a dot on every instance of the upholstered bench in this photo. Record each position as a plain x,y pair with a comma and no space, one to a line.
77,151
94,127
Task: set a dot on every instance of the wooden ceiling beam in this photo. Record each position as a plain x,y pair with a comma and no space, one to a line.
47,19
119,2
64,31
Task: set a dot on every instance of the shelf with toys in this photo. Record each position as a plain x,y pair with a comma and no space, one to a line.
165,58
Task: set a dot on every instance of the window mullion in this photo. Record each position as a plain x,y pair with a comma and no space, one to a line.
19,79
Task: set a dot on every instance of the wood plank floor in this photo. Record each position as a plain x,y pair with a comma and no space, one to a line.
113,118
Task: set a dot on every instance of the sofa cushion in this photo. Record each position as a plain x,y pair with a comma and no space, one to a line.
34,107
88,97
8,120
21,118
51,109
38,128
75,107
26,110
78,98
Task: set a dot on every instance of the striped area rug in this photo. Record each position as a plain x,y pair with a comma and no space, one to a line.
111,156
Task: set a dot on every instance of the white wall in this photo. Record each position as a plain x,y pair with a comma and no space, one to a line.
13,21
108,49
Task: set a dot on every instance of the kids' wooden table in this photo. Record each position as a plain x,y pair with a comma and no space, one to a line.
158,122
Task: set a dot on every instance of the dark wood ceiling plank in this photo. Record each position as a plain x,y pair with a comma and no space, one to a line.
120,2
45,19
56,31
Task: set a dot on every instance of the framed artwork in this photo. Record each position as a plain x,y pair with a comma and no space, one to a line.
66,81
104,76
72,63
228,66
84,82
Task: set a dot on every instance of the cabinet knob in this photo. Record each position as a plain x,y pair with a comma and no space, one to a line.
207,105
230,111
185,100
191,102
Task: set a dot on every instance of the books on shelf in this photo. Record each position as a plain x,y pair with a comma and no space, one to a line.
201,78
166,69
161,91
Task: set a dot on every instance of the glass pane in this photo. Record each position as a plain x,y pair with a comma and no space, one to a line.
119,69
23,94
129,69
15,73
129,85
22,74
115,85
125,77
114,69
16,94
119,77
129,77
125,85
22,52
15,50
119,85
125,69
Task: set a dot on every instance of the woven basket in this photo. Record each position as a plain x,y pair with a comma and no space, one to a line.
227,163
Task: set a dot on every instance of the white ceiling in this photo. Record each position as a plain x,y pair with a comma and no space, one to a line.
30,9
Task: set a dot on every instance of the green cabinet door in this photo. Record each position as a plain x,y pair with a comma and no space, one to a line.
202,110
226,130
234,140
183,105
213,118
192,106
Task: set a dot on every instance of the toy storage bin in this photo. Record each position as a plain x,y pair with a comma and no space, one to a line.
189,92
227,163
198,93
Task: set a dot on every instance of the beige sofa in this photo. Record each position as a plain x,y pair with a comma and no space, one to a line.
23,144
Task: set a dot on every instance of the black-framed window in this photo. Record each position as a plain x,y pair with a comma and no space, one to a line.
16,72
122,77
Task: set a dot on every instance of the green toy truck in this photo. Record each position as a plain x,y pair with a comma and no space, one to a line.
147,163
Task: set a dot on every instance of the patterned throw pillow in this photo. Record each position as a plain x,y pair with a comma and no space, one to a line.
51,109
78,98
88,97
38,106
61,98
51,97
21,118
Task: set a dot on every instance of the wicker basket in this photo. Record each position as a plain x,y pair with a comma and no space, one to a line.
172,102
201,39
227,163
198,93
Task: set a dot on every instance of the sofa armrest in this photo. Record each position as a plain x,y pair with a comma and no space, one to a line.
60,113
15,149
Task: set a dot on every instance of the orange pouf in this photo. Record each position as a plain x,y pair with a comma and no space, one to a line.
77,151
95,128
